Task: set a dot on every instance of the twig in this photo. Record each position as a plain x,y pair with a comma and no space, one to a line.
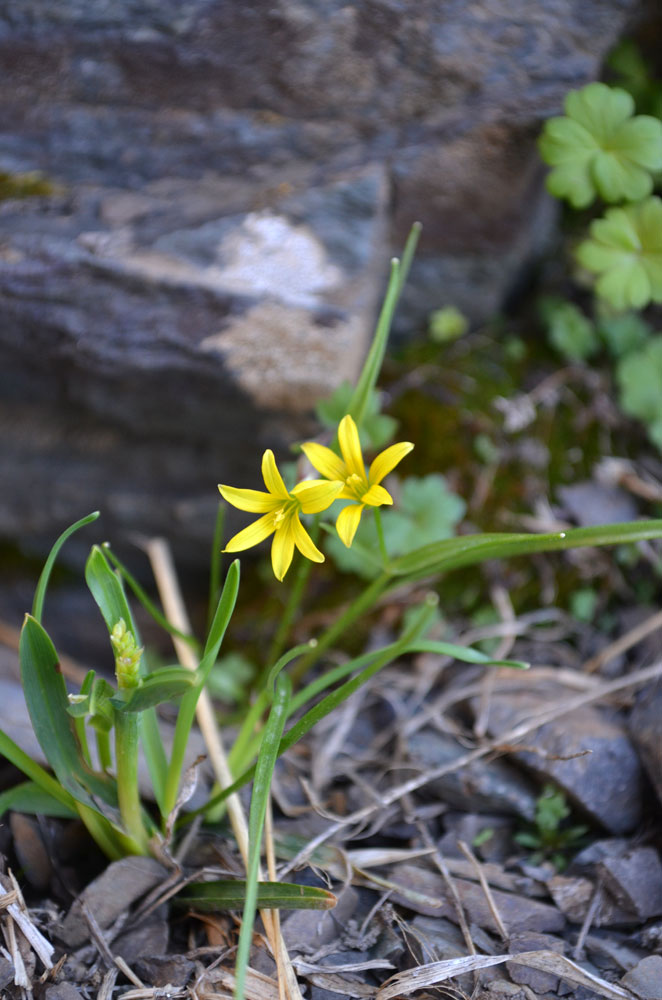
625,642
523,729
163,568
480,874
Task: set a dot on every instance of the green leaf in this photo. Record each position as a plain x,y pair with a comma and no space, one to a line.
264,769
427,511
31,769
186,714
568,329
447,324
468,550
229,894
367,380
639,377
47,702
623,334
29,797
625,251
599,148
155,689
40,592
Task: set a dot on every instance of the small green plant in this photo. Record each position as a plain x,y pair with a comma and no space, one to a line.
117,721
549,837
447,324
601,148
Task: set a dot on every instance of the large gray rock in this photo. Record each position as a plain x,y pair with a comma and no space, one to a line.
228,181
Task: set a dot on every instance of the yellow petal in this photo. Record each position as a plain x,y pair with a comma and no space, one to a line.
376,496
325,461
350,446
282,549
316,494
387,460
348,522
272,477
252,535
304,542
255,501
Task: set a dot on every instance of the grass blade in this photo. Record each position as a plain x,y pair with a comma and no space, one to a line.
40,592
466,550
229,894
266,761
29,797
186,713
38,776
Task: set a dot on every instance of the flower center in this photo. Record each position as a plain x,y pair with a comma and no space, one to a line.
356,485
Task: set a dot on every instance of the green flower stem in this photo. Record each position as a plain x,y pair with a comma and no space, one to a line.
303,569
103,750
362,604
126,757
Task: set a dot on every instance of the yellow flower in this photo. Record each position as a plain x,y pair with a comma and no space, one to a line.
364,490
280,511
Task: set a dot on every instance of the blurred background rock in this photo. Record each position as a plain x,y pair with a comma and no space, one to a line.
220,185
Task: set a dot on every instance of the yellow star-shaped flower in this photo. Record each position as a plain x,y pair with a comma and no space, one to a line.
280,511
349,471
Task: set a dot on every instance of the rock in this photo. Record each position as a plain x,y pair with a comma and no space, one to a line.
31,850
587,752
635,881
147,939
491,837
427,893
224,186
592,503
646,978
61,991
538,981
173,970
646,732
108,896
483,786
307,932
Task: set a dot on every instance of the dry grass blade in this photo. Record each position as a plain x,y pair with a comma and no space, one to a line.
512,736
163,568
470,856
12,901
544,961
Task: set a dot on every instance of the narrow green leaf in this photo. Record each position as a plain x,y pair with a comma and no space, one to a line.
47,702
215,562
154,689
40,592
466,550
28,797
266,761
229,894
13,753
463,653
367,381
186,713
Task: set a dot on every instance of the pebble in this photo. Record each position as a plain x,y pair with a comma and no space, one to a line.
646,978
646,732
635,881
538,981
109,895
587,753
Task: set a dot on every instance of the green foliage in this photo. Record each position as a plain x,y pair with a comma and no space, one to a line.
625,250
599,148
426,512
30,185
568,329
583,603
548,837
447,324
624,333
635,76
639,377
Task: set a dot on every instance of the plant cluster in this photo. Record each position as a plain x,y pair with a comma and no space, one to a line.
92,739
601,150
